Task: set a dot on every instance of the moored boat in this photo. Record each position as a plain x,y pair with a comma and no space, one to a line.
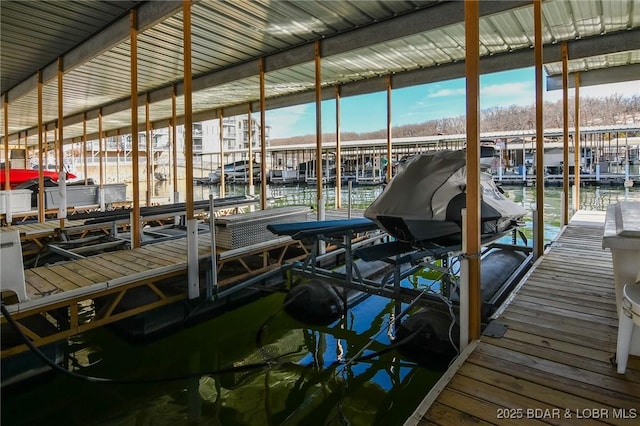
18,176
422,204
240,170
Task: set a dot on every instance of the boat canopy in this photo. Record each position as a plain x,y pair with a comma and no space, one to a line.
424,200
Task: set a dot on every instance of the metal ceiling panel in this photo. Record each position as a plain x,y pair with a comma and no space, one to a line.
35,33
558,21
634,14
587,17
616,15
446,44
120,120
251,19
426,44
596,62
492,38
509,29
236,93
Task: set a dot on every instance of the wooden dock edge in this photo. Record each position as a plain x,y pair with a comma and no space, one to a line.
442,383
579,218
524,279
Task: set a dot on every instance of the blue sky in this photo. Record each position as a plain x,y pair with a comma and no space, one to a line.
423,103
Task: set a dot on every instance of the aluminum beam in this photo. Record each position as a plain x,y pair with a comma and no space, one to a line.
600,76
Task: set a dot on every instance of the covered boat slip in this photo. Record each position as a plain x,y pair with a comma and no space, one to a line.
62,291
38,236
553,363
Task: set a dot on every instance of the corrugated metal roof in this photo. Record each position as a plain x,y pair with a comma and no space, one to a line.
229,34
35,33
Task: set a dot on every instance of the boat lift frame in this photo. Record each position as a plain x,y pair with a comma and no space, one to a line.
404,259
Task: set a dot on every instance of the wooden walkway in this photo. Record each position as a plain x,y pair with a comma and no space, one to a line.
105,279
39,233
553,364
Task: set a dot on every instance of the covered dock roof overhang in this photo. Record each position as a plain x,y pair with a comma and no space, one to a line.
360,43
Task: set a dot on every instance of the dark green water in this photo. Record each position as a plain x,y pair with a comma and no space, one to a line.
311,381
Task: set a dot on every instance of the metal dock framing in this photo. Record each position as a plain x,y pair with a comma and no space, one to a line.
65,291
553,364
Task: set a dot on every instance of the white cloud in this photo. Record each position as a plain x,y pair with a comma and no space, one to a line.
289,121
510,90
447,93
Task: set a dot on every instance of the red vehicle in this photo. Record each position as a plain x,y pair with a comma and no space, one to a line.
18,176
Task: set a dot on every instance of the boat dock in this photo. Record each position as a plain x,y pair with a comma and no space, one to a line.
152,274
604,179
553,363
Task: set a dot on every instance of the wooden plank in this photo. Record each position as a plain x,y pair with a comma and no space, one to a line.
571,291
600,366
88,271
36,285
545,394
55,279
174,245
179,251
550,319
561,312
120,268
148,262
157,253
162,252
94,264
443,415
568,277
601,354
587,390
581,263
474,407
551,273
586,291
572,253
152,257
549,292
70,275
607,310
572,277
576,276
523,406
124,260
578,335
555,368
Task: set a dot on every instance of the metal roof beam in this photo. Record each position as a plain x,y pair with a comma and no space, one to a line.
599,76
620,41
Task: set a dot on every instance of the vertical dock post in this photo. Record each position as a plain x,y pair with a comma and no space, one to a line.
193,276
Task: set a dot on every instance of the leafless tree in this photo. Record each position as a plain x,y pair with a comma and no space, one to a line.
613,109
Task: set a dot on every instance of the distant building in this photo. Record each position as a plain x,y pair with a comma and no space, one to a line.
235,135
205,135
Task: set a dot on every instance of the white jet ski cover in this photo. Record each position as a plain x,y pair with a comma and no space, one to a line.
425,186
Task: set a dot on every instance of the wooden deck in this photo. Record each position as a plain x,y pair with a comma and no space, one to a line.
38,230
553,364
104,279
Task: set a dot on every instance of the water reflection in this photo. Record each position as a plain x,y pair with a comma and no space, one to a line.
591,198
308,380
